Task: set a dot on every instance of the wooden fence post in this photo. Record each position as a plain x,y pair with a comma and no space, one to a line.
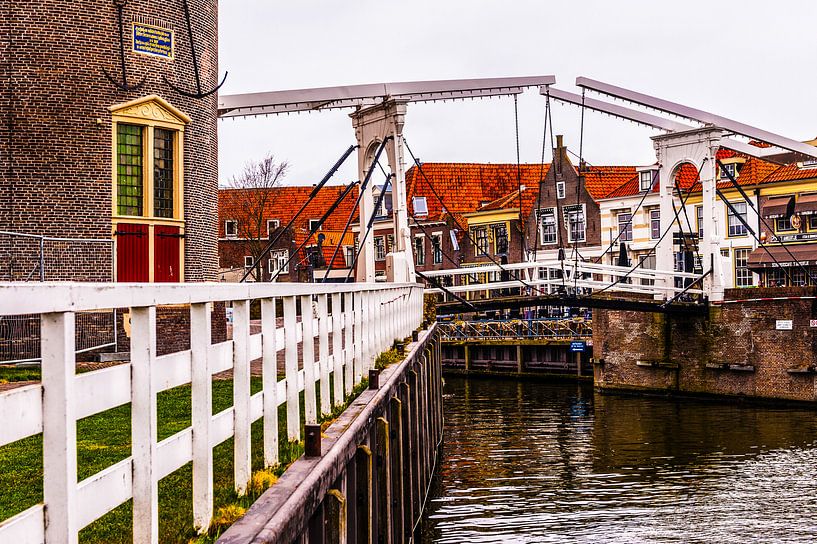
293,395
269,372
242,461
59,427
201,411
323,353
337,352
308,350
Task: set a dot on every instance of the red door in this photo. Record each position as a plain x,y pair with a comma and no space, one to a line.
166,250
132,263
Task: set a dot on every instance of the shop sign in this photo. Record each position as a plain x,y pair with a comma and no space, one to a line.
153,40
784,325
577,347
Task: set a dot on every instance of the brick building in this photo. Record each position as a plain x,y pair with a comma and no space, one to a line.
83,158
248,219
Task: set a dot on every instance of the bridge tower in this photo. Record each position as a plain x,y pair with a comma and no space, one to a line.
697,147
372,126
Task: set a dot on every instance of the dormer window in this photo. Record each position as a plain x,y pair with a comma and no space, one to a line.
272,224
560,189
231,228
645,180
420,205
728,170
314,225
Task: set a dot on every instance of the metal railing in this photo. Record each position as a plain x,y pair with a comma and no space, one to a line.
364,319
555,276
33,257
515,329
20,335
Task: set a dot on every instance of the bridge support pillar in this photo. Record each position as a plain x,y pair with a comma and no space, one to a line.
372,126
697,147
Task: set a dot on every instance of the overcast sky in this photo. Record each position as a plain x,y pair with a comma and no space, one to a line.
750,60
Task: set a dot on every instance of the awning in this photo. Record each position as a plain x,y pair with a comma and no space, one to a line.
761,257
806,205
779,206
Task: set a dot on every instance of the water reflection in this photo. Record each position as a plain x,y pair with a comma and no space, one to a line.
537,462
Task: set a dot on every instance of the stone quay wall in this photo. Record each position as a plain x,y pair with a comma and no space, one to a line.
744,348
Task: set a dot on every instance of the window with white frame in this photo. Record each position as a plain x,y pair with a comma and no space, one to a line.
272,224
743,276
314,225
736,227
231,228
655,224
420,249
349,252
278,262
560,189
699,217
420,205
379,248
727,170
625,227
547,226
248,260
645,180
576,223
437,248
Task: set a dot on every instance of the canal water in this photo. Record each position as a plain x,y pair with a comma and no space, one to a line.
557,462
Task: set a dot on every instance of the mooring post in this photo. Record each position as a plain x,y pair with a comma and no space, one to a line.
382,480
363,487
519,358
312,440
396,458
374,378
334,512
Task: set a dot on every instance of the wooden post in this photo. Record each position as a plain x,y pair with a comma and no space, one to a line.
308,349
416,455
337,352
143,426
519,365
348,344
467,349
360,352
383,480
334,517
60,427
323,353
291,354
363,485
269,371
396,467
242,461
579,363
202,410
407,454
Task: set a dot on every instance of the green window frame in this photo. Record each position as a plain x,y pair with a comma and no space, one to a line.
130,179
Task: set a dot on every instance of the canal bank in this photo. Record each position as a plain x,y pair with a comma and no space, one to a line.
557,462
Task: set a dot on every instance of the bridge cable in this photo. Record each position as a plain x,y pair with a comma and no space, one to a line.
632,216
363,187
654,247
370,224
522,241
537,238
740,190
314,228
309,199
579,179
459,225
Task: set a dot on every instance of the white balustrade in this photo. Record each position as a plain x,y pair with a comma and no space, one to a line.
364,320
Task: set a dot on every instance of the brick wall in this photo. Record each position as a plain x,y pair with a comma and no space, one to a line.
173,328
740,334
55,127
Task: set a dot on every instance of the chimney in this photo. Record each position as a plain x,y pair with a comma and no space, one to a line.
559,141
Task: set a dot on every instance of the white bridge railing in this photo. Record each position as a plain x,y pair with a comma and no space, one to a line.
364,321
550,277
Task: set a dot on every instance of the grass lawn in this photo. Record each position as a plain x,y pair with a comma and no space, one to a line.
104,439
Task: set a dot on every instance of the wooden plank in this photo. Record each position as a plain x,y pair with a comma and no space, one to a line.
144,426
269,371
104,491
348,344
27,527
59,427
221,356
221,427
337,352
201,357
22,410
291,368
323,354
172,370
174,452
308,361
102,390
242,461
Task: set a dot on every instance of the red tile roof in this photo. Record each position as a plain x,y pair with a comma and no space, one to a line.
600,181
467,187
284,202
791,172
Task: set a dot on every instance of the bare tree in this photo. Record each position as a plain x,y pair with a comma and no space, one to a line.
255,198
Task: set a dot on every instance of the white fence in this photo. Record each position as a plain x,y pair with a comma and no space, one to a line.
365,320
546,277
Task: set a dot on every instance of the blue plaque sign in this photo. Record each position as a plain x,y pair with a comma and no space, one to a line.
577,346
153,40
